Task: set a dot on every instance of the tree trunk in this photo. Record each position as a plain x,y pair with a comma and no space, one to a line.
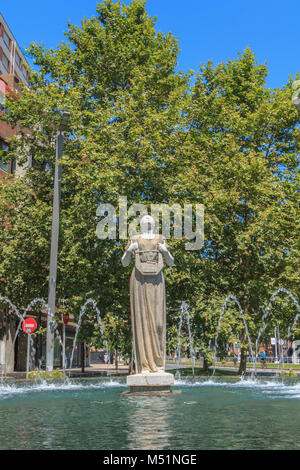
205,363
243,362
82,356
116,359
244,340
131,367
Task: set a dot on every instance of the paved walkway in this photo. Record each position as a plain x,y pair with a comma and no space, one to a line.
259,370
106,370
94,370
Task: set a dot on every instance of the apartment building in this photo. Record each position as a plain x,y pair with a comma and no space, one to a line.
13,73
12,59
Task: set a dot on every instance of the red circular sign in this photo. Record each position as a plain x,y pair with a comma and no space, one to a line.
66,318
29,325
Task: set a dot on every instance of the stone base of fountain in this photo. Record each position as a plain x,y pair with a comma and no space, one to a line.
159,382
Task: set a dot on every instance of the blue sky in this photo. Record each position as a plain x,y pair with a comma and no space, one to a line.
206,30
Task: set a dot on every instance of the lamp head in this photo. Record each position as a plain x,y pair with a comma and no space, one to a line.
64,121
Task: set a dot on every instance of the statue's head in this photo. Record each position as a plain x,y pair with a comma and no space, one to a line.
147,224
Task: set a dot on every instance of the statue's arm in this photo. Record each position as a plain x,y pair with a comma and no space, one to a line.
163,248
126,258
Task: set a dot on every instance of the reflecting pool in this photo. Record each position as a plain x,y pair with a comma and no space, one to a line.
207,414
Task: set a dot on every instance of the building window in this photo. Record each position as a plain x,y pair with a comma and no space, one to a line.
4,165
1,104
5,62
24,71
6,39
18,60
13,167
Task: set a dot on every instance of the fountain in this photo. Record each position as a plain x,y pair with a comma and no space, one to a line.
16,311
184,311
81,314
228,298
51,319
267,313
53,326
127,419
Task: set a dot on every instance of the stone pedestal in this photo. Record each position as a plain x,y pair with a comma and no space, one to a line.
159,382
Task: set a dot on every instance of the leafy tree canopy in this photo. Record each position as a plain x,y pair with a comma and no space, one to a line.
140,129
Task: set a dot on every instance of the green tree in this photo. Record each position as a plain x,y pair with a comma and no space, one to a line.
242,163
139,129
116,76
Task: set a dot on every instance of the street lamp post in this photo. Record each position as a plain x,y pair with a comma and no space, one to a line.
54,244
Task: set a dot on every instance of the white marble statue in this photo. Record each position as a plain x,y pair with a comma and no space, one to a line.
148,297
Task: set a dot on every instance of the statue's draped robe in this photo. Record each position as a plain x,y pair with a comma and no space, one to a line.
148,311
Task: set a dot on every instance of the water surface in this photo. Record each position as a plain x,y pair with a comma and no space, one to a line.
207,414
